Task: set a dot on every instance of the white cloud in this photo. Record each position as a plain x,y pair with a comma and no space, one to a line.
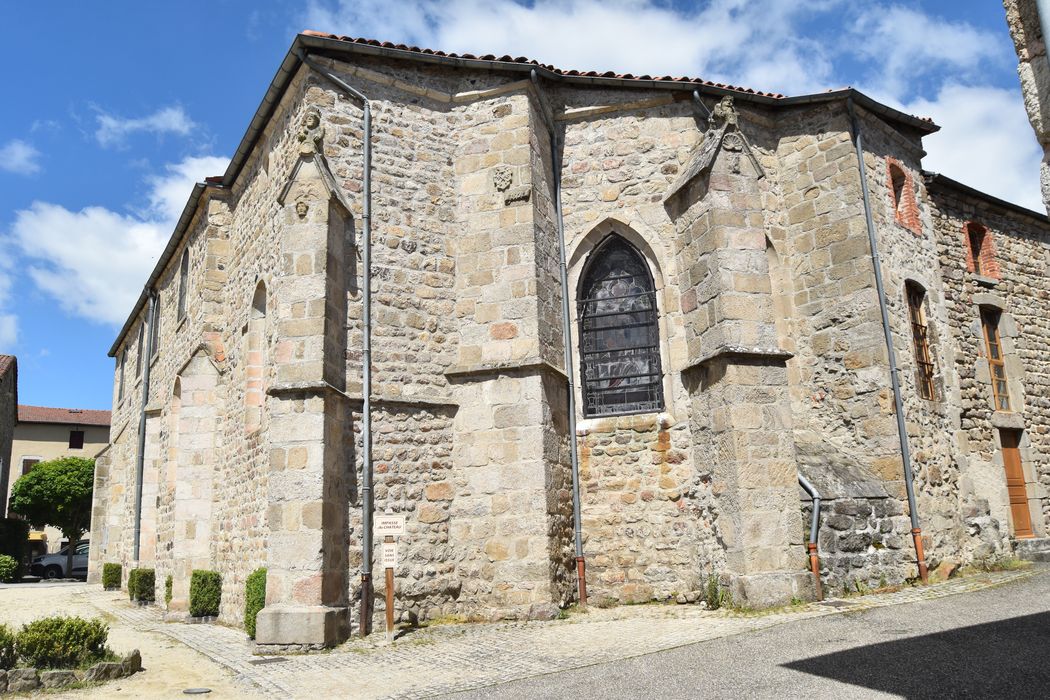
985,141
95,261
727,40
904,46
19,157
8,322
112,130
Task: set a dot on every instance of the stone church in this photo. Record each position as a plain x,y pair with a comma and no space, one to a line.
587,332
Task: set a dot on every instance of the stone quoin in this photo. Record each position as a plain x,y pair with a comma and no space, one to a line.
725,334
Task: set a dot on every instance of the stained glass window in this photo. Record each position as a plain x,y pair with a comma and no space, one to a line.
619,333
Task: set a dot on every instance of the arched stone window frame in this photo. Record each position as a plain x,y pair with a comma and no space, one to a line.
661,268
184,278
255,349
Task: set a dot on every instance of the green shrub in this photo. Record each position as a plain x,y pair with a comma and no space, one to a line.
61,642
14,536
142,585
167,590
205,593
254,599
7,648
111,575
8,568
132,575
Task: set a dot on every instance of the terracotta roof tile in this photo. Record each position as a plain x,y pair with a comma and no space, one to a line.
523,59
73,416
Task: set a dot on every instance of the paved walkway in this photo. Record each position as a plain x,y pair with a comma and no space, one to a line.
450,658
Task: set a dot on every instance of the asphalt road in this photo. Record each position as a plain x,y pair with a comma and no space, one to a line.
993,643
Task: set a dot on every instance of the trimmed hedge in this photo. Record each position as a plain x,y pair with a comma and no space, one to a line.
61,642
167,590
7,648
111,575
14,538
8,568
205,593
254,599
142,585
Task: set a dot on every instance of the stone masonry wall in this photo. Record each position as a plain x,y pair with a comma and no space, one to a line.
1022,249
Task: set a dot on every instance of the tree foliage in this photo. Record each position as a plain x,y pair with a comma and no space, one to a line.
57,493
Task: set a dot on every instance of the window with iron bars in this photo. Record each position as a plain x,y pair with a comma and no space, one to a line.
619,333
996,364
920,341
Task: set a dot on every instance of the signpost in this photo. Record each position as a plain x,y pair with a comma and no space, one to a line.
389,525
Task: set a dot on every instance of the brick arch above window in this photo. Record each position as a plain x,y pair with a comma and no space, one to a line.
980,250
902,196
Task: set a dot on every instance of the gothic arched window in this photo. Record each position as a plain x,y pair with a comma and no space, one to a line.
619,333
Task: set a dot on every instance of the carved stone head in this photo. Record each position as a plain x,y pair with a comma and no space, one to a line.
311,134
301,208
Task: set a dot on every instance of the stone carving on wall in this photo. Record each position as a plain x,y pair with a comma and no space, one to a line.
301,208
502,178
723,134
311,134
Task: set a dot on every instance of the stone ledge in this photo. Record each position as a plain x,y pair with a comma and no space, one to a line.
730,353
1008,420
530,365
280,626
319,387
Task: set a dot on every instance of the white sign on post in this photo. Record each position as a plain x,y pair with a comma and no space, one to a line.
389,555
390,525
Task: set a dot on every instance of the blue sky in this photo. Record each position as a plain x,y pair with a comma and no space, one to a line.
114,109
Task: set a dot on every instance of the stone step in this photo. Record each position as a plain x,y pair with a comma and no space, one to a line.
1032,548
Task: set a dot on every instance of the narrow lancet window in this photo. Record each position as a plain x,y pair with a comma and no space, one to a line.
184,273
920,340
619,333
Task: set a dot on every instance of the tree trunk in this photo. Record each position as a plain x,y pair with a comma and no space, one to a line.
74,540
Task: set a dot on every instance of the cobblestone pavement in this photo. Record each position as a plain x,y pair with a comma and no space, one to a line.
448,658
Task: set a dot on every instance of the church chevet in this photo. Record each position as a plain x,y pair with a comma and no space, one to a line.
582,337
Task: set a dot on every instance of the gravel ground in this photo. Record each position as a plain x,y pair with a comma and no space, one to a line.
169,666
990,643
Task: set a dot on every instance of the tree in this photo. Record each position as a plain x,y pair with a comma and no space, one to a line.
58,493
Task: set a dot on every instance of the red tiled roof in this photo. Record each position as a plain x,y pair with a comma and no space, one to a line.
553,69
72,416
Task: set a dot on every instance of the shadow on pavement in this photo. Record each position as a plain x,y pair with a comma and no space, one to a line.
990,660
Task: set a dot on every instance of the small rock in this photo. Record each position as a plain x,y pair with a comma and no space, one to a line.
104,671
543,611
692,596
3,681
57,679
20,680
681,599
132,663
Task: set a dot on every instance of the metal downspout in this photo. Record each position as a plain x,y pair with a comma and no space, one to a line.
140,460
814,527
367,505
916,531
566,329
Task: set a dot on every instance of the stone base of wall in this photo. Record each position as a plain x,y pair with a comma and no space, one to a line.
770,590
863,542
313,626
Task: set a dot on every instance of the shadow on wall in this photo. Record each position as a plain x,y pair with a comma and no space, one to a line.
1007,658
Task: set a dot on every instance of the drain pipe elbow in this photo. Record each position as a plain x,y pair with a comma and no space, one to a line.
577,518
814,527
140,458
367,492
898,401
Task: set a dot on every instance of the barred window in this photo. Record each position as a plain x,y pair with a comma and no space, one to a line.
619,333
920,340
996,364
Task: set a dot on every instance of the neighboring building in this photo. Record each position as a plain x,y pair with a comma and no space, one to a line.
8,421
44,434
1026,28
725,335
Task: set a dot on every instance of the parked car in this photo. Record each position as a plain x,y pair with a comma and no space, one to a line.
54,565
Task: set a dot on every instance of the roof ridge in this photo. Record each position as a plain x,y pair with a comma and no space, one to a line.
507,58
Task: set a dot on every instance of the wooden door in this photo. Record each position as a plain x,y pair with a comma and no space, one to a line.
1022,519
